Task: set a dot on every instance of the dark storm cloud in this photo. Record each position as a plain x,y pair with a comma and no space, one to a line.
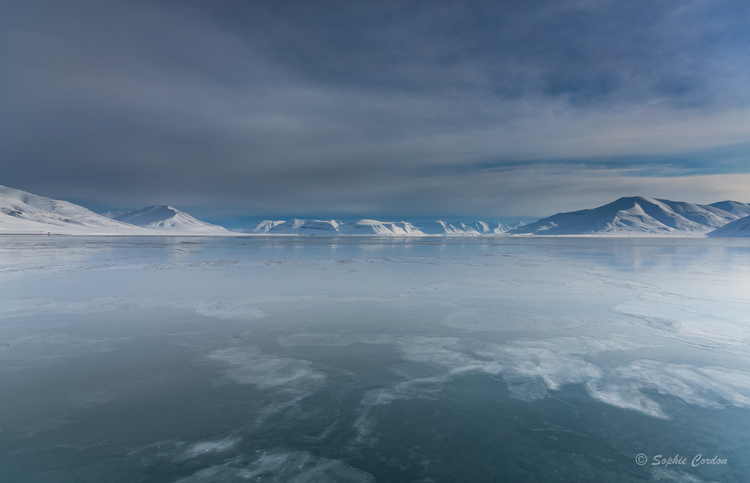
479,108
586,52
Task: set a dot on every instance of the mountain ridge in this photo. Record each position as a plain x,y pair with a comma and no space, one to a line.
26,213
370,227
22,212
638,215
167,218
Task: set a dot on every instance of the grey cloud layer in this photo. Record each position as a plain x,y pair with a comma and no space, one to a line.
298,107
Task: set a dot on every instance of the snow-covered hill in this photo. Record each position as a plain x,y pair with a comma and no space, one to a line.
739,227
27,213
172,220
22,212
639,216
734,207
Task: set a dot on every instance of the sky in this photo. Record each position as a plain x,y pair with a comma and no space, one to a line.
243,109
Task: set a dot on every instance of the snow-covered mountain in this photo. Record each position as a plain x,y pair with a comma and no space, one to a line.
379,228
22,212
298,227
168,219
382,228
335,228
739,227
478,228
266,226
639,216
27,213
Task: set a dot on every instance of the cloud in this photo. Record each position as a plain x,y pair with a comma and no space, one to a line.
269,108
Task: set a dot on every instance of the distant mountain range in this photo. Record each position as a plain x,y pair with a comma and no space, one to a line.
374,227
26,213
633,216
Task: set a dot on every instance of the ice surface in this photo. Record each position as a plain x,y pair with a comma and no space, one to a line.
309,359
292,467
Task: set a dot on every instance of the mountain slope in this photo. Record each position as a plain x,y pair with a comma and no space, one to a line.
22,212
735,228
637,216
26,213
266,225
168,219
